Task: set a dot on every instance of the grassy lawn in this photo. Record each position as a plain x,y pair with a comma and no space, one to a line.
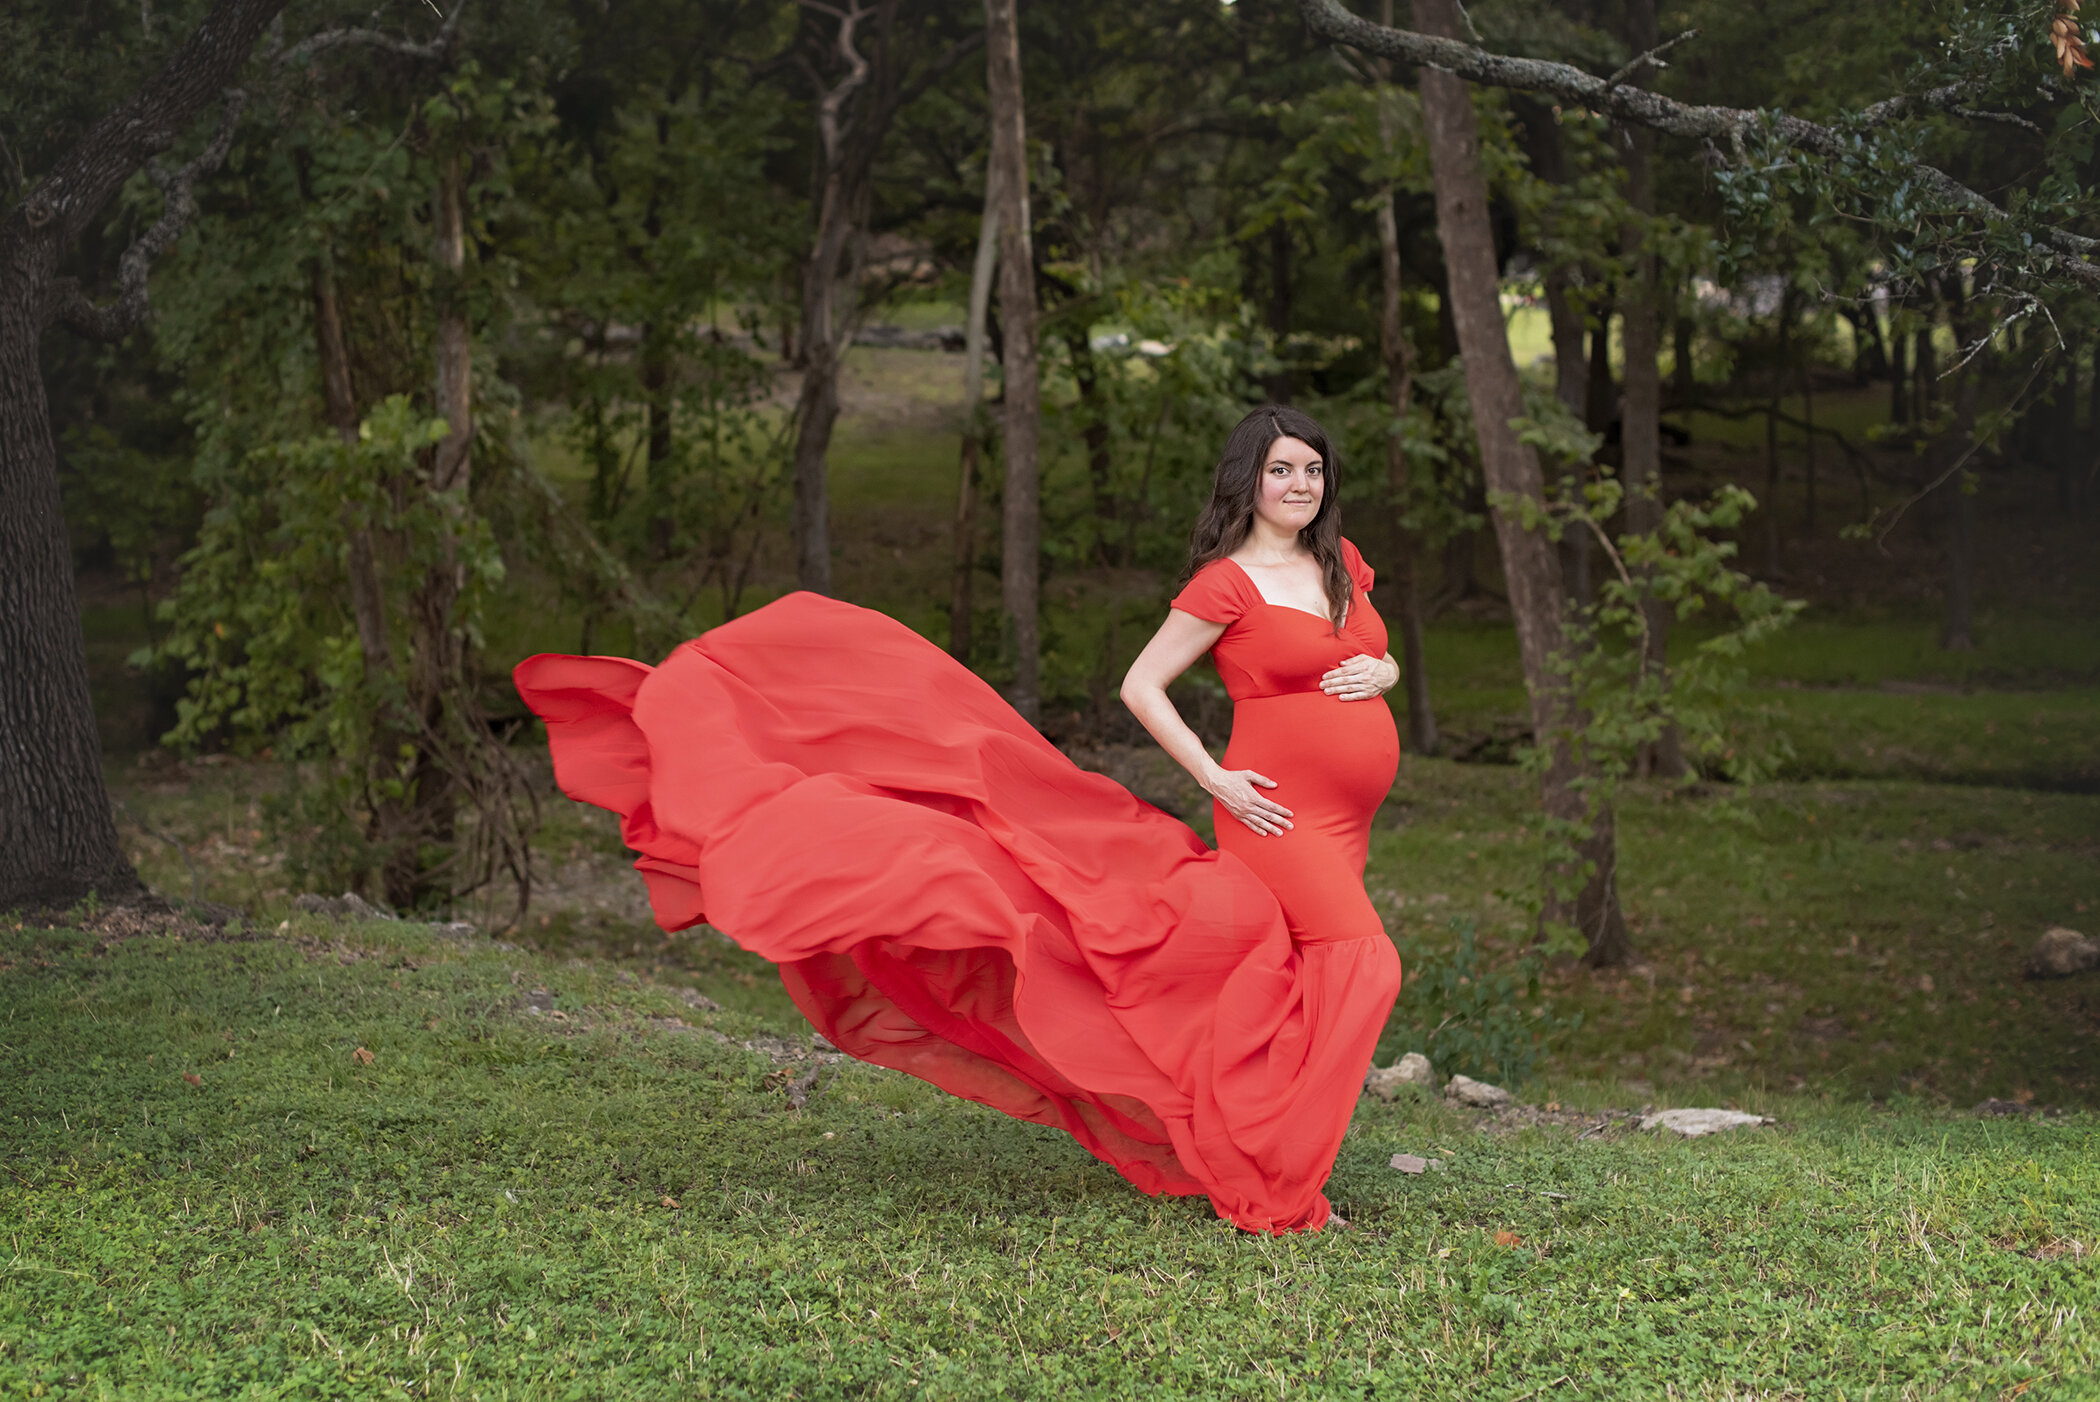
485,1208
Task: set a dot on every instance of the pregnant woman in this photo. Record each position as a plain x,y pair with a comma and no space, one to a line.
947,895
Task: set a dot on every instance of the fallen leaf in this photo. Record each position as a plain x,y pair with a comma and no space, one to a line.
670,1202
193,1078
361,1057
1508,1239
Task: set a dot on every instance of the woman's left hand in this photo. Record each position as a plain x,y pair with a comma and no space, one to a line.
1361,678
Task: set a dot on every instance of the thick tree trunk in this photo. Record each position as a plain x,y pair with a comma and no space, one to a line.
1399,387
1529,563
961,602
1022,524
58,839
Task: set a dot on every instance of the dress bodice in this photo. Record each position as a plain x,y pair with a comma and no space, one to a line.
1274,649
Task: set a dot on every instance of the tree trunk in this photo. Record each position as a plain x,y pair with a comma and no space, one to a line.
1571,385
1958,633
1808,449
1399,387
1899,375
1601,404
1022,515
1770,505
1530,565
1640,410
961,601
1086,378
425,817
1684,367
339,404
58,837
848,137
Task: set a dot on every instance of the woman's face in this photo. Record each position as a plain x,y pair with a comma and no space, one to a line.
1293,482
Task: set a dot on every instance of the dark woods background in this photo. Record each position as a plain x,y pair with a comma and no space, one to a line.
587,326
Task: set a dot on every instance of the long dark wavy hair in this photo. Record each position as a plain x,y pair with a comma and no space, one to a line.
1229,515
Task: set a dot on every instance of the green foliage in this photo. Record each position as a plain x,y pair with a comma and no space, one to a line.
1472,1020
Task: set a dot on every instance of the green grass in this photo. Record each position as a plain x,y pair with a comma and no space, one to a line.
1864,939
479,1212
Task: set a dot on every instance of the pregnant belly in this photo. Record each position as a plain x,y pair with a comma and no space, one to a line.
1333,761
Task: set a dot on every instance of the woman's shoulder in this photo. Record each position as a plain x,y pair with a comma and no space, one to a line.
1217,593
1353,561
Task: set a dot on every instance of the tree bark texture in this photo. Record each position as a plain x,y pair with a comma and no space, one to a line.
1399,355
1531,567
58,838
1022,506
961,600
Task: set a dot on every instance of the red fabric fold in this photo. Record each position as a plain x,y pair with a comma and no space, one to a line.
948,895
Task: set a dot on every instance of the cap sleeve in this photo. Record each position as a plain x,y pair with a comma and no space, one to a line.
1218,594
1353,561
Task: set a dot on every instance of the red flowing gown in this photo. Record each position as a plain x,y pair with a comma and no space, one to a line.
946,894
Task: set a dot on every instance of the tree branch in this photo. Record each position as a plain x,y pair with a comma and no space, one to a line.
114,320
314,45
1644,107
142,127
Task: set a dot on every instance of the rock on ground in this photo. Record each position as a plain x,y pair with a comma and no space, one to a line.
2060,953
1693,1123
1414,1069
1478,1094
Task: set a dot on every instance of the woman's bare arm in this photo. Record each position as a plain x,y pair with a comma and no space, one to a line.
1179,642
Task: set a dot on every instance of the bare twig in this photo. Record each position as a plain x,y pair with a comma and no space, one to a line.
1653,56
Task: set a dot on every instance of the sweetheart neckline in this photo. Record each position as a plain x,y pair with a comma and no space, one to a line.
1293,608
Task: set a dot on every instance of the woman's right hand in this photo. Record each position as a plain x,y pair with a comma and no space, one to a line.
1240,791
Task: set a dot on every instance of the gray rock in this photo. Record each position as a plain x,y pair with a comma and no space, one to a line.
348,906
2060,953
1694,1123
1415,1163
1386,1082
1478,1094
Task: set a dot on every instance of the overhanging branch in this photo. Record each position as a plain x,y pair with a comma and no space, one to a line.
2070,253
112,321
314,45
